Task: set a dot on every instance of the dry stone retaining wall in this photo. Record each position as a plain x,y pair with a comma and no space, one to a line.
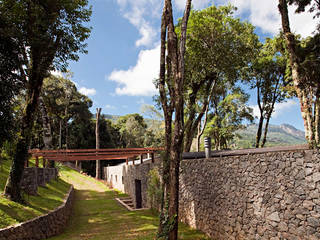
264,195
42,227
34,177
260,196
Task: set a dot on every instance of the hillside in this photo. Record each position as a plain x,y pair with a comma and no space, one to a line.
278,135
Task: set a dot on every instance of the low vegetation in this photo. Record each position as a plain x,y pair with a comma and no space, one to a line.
49,197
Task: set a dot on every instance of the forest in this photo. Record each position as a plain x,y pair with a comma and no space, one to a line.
208,59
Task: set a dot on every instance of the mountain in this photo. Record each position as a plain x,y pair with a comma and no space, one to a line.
278,135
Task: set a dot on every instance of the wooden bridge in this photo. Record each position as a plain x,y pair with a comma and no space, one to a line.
75,155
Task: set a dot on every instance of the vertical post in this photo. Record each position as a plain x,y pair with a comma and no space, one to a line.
152,157
207,146
141,158
127,161
44,162
133,160
37,161
26,163
98,163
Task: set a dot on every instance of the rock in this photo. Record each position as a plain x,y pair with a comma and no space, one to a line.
313,222
316,177
274,217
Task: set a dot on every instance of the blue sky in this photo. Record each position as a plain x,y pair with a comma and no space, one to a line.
123,51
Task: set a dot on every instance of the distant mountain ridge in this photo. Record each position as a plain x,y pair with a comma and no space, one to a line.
278,135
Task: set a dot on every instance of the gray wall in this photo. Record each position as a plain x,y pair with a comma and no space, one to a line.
271,195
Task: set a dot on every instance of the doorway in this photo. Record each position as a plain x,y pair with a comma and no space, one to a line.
138,193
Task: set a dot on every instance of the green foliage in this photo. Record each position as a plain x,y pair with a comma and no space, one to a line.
154,189
230,112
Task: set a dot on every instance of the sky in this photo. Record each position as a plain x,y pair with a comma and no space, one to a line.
124,53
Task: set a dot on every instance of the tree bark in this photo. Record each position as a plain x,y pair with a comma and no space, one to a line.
260,125
174,81
98,162
304,97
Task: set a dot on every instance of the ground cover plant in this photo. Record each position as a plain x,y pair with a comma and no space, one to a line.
49,197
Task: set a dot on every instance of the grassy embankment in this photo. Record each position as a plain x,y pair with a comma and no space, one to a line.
49,197
96,214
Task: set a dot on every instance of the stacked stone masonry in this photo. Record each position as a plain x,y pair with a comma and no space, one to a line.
34,177
41,227
274,195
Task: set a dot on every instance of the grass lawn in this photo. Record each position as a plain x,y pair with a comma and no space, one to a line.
97,216
49,197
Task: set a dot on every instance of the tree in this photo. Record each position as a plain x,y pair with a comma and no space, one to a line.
219,46
268,77
48,34
10,80
305,83
229,112
172,77
132,128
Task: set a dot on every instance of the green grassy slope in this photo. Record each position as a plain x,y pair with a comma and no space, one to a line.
49,197
97,216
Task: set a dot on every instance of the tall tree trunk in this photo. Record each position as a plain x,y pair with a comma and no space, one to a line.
66,125
317,117
47,133
302,93
12,189
175,81
264,140
98,162
60,134
259,131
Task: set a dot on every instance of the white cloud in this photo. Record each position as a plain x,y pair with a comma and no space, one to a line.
110,107
279,108
138,80
87,91
265,14
140,14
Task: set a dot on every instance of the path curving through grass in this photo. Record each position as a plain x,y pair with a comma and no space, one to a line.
97,216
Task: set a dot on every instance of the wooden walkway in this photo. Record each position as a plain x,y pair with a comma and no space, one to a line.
73,155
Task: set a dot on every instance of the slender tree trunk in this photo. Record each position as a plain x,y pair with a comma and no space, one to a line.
261,109
304,97
47,133
264,140
98,162
175,81
317,118
60,134
66,126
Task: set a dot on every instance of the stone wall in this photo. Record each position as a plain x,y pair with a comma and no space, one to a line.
42,227
34,177
262,195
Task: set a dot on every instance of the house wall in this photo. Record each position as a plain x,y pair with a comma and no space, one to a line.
122,177
271,195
